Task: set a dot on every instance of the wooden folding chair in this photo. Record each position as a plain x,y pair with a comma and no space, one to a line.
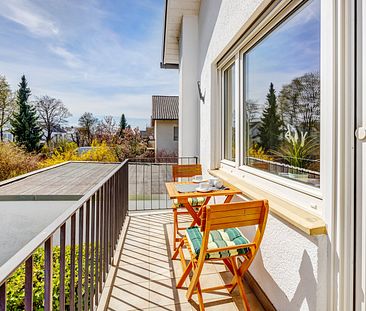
184,171
220,239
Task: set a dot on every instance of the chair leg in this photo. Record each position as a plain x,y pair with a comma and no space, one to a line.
243,268
175,212
195,284
185,274
200,297
240,284
196,277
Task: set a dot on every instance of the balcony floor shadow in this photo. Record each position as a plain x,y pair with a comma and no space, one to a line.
146,277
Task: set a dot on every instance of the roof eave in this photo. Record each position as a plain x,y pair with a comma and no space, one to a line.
168,65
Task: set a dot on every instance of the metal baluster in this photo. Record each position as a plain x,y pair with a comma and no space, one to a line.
48,274
136,186
97,248
114,215
87,246
62,266
28,289
143,184
109,224
80,259
92,251
159,184
105,232
72,263
166,179
151,183
3,297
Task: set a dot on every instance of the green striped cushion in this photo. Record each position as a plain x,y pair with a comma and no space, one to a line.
218,238
192,201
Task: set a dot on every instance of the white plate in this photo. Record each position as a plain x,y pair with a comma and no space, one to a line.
199,181
203,190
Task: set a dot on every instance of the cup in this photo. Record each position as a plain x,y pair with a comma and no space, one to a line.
197,178
204,185
218,184
212,181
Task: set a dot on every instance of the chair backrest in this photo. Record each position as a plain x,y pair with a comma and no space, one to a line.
238,214
186,170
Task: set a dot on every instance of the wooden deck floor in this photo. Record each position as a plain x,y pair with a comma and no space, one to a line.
145,277
71,179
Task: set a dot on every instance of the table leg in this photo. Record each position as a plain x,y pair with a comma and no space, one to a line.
228,199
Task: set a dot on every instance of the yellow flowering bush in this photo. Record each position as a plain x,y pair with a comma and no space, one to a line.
68,152
15,161
259,153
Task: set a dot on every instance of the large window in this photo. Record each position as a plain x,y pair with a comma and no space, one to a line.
229,113
281,95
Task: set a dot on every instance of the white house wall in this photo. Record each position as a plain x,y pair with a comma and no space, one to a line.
188,92
291,267
164,136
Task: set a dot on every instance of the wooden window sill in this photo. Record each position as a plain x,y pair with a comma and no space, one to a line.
288,211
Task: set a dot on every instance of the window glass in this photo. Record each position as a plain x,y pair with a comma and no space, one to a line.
229,113
282,98
175,134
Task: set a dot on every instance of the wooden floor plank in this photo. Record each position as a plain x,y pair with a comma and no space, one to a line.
69,179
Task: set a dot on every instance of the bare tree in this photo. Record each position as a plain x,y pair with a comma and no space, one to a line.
87,127
107,129
299,102
7,105
108,125
52,114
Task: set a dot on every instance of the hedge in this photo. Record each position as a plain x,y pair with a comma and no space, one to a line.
16,283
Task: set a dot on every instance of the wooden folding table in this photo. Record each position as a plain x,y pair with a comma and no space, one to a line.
182,198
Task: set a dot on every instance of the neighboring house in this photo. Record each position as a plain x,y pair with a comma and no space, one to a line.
7,136
314,250
165,111
58,134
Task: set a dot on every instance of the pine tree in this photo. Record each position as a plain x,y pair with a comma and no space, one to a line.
24,123
270,129
122,125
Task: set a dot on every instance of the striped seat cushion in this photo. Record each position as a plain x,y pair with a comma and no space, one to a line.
218,238
192,201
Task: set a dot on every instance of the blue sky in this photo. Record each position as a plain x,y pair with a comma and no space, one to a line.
290,51
97,56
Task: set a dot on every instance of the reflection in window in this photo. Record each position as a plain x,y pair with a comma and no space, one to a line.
229,114
282,98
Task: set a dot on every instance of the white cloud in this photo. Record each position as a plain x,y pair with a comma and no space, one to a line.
92,64
29,16
70,59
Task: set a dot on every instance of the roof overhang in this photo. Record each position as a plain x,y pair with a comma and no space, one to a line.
174,11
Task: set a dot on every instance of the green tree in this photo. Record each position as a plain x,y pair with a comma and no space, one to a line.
6,104
270,129
122,125
24,123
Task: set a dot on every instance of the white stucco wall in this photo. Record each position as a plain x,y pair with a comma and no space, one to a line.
188,93
164,136
291,266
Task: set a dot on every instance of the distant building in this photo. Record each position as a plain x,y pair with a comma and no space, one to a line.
7,136
58,134
165,111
